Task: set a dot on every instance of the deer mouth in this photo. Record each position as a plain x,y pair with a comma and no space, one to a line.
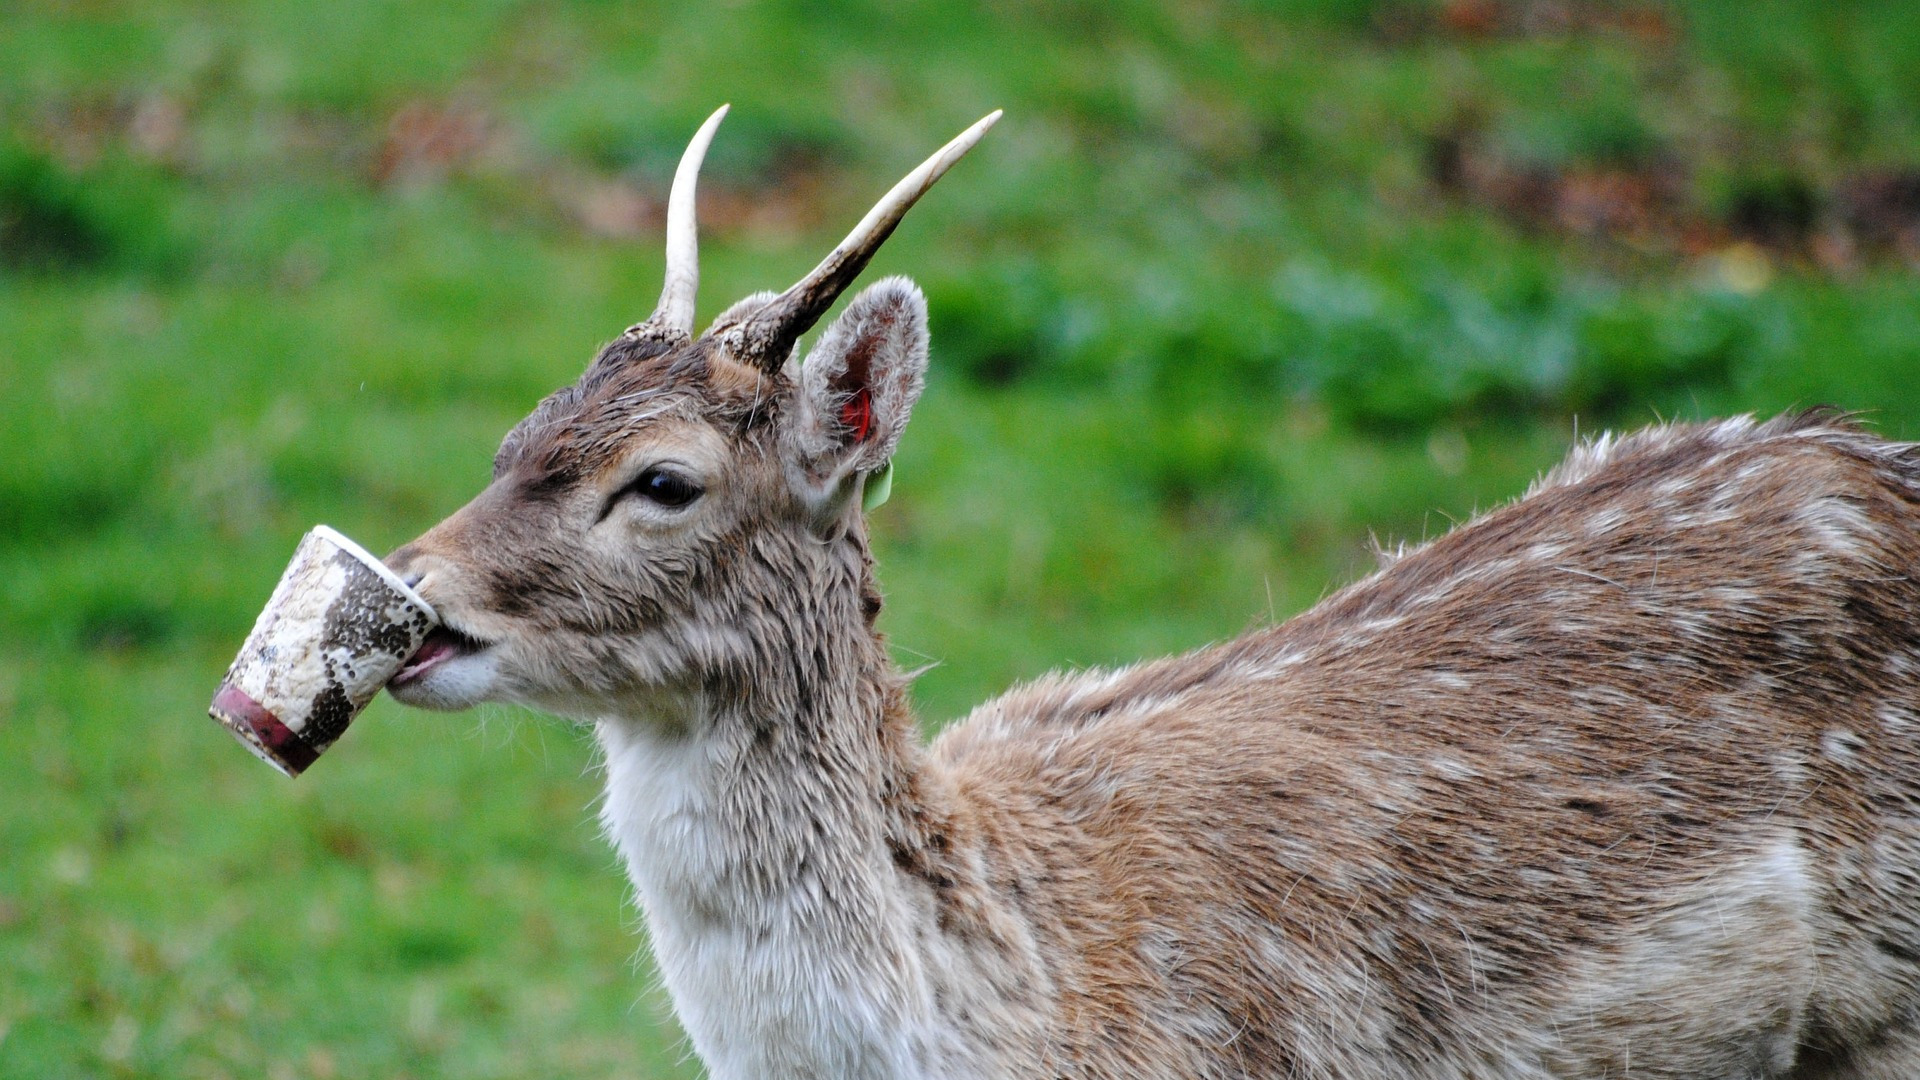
443,643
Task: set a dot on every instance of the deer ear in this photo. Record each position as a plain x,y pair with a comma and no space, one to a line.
856,388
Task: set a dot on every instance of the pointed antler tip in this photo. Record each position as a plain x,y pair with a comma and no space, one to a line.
674,315
768,336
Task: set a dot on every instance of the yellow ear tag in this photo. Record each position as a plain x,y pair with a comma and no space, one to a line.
879,486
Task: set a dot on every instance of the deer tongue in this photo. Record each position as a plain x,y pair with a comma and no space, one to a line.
441,645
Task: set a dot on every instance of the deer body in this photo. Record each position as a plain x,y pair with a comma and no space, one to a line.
1664,708
1620,780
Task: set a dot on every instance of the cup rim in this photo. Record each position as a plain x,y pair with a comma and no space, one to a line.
367,559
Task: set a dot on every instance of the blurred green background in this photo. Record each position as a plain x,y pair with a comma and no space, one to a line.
1232,287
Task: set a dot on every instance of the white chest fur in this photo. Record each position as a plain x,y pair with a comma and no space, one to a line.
776,928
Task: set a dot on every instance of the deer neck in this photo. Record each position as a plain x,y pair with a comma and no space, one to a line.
760,820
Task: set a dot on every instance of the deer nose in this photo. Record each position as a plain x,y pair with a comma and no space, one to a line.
402,562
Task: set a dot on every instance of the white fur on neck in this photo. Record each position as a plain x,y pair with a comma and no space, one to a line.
786,947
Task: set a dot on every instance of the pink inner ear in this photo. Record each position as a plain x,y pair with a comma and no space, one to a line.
855,381
857,414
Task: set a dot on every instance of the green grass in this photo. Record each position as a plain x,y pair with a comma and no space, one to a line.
1207,312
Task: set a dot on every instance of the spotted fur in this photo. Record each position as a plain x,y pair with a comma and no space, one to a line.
1622,779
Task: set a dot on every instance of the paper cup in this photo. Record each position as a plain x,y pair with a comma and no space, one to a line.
339,625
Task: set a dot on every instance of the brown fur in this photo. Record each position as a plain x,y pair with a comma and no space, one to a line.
1420,821
1621,779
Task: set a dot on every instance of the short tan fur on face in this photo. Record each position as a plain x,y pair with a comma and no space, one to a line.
1619,780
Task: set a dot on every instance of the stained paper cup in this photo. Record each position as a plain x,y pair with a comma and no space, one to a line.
339,625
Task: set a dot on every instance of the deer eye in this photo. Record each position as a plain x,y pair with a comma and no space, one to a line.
665,487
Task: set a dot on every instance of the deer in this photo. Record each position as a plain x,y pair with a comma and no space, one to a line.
1619,779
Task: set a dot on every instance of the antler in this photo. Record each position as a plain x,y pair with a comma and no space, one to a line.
766,337
673,318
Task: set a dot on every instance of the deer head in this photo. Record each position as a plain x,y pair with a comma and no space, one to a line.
687,515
